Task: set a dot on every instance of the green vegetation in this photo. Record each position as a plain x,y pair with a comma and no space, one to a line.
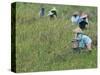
45,45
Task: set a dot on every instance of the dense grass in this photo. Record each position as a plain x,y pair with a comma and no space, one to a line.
43,44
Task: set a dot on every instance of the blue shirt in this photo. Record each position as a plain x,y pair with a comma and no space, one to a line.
83,40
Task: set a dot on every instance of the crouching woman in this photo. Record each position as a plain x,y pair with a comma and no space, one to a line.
81,41
84,41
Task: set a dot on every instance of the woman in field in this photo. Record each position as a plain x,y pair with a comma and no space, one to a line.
53,13
42,12
83,22
75,18
83,41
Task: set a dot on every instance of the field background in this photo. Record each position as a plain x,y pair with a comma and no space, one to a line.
44,45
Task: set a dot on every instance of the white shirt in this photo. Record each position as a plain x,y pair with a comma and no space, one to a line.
75,19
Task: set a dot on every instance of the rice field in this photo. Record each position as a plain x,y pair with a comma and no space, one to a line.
45,45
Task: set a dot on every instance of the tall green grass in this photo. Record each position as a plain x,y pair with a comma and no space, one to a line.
43,44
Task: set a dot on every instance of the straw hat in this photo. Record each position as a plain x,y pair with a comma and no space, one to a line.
77,30
76,13
53,9
84,16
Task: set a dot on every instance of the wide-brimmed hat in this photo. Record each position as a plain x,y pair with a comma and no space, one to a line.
77,30
84,16
53,9
76,13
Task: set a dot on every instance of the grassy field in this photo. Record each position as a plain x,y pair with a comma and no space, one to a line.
45,45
